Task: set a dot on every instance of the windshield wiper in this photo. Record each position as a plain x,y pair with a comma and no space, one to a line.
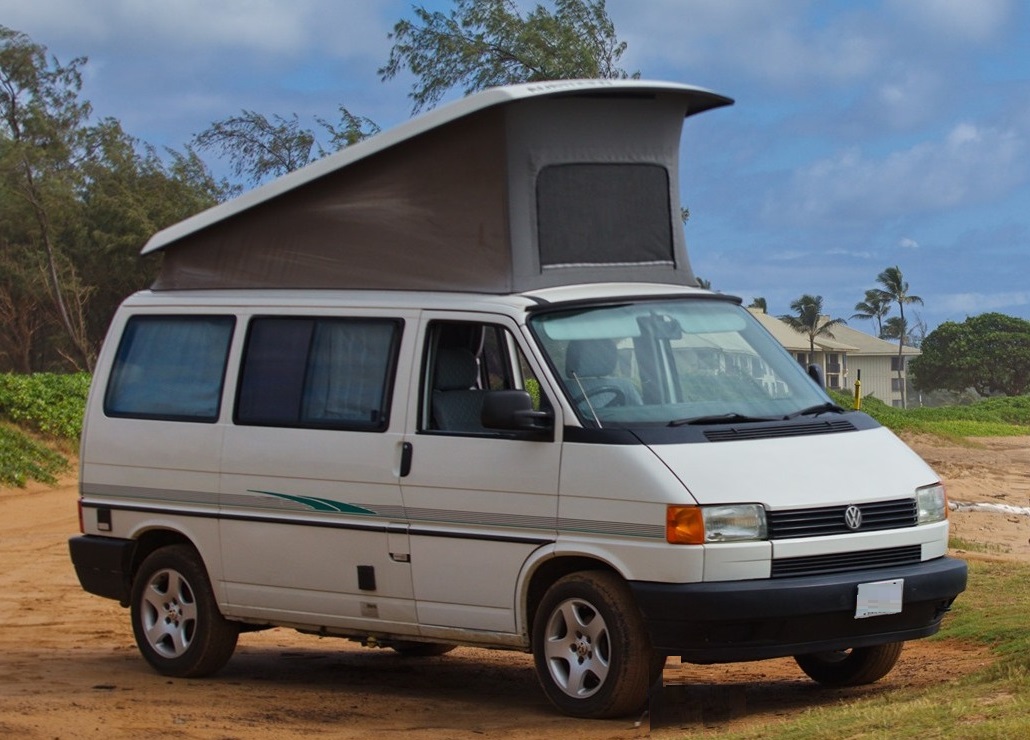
821,408
730,418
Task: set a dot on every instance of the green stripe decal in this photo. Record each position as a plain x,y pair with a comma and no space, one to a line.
318,504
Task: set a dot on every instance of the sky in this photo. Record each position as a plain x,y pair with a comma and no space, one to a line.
865,134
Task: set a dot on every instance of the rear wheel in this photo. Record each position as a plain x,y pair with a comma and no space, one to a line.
853,667
591,648
175,618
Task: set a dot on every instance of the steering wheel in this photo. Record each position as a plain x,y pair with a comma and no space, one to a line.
618,396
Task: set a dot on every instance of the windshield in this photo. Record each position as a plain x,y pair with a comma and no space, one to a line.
673,361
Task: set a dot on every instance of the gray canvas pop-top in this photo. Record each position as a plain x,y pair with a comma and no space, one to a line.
511,189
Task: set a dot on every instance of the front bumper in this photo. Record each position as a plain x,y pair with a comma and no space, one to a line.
752,620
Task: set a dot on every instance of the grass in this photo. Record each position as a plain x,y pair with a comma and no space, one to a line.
991,703
990,548
22,459
994,417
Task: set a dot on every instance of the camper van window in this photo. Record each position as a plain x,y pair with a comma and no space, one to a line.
170,367
465,361
669,361
604,214
318,373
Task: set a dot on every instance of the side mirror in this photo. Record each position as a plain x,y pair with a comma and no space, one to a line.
513,410
815,372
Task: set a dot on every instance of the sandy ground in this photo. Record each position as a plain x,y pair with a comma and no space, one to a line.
69,667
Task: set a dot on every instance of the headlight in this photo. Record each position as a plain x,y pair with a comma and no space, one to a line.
933,503
696,525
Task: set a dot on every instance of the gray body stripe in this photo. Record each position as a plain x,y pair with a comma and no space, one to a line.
237,506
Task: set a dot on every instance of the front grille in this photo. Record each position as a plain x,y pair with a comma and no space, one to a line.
845,562
829,520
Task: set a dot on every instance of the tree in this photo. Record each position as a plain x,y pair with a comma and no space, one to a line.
41,122
873,308
759,303
486,43
258,148
810,319
895,290
989,353
128,194
895,328
481,43
77,202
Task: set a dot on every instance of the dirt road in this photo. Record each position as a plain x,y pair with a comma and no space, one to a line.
69,667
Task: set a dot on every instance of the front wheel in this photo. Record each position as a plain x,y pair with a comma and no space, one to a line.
853,667
175,618
591,648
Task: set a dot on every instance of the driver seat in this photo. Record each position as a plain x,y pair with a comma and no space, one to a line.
591,363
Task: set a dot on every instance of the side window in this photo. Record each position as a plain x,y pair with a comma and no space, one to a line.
318,373
464,361
170,367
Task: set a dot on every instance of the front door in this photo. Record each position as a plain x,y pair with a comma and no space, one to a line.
478,502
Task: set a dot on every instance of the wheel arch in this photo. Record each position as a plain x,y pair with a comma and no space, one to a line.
151,532
153,539
549,571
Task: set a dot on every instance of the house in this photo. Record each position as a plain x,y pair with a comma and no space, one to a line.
875,361
847,356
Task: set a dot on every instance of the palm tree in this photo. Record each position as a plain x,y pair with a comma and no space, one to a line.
896,328
810,320
895,290
759,302
875,306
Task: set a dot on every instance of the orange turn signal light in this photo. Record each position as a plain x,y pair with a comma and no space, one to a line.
684,525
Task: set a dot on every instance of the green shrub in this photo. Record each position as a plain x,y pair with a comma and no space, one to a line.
47,403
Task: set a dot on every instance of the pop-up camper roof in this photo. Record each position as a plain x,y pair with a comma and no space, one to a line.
511,189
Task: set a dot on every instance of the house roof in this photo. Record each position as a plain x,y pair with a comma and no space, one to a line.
867,344
845,339
511,189
797,341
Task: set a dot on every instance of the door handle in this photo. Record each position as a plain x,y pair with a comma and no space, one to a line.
406,452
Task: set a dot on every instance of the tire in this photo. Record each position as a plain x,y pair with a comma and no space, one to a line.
591,649
176,621
422,649
853,667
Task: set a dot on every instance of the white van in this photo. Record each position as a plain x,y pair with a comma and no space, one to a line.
456,385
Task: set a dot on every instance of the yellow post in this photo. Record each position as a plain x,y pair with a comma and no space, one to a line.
858,391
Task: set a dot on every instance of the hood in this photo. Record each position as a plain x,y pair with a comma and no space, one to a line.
797,472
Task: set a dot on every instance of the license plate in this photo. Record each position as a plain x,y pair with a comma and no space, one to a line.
879,597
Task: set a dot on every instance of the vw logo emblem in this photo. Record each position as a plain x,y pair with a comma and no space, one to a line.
853,517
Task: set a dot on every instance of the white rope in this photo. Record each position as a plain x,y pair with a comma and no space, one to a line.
991,508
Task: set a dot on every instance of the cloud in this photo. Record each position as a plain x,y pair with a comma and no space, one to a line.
966,21
168,69
773,41
972,304
906,243
971,163
344,28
